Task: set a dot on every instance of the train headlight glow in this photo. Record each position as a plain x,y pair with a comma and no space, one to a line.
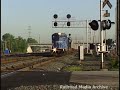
54,50
59,33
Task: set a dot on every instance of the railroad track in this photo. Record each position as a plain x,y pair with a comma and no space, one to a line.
27,66
23,63
13,69
20,79
27,54
19,57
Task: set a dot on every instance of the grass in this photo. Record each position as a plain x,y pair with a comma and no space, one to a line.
72,68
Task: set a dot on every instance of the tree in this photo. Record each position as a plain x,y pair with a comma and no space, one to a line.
20,44
31,40
7,36
7,40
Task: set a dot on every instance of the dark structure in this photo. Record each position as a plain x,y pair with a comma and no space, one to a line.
69,41
118,29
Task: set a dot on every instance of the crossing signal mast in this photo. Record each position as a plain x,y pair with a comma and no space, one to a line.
104,25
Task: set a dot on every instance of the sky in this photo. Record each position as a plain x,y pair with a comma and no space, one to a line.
18,15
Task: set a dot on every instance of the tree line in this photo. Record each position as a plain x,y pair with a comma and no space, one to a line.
15,44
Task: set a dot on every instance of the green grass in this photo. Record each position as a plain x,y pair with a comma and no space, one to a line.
72,68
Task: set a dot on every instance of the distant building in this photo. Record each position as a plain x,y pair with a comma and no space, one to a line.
29,50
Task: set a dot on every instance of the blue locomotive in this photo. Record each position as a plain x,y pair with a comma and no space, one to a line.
59,43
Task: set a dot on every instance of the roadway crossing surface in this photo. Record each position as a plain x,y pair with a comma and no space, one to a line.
99,78
106,78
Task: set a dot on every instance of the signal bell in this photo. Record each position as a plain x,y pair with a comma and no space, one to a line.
94,25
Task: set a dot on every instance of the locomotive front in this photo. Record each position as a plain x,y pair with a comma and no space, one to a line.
59,42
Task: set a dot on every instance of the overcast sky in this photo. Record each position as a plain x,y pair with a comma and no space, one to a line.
17,15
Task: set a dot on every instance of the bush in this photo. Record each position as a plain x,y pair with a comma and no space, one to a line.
114,63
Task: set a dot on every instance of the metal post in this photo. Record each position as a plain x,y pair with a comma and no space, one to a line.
79,51
118,29
87,34
116,26
105,37
39,38
94,37
101,33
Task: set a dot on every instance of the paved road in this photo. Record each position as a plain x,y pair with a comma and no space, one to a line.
105,78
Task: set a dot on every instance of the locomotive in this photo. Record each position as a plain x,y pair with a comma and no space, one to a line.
59,43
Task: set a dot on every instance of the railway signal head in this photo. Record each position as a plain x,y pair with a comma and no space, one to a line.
94,25
55,16
55,24
68,16
68,23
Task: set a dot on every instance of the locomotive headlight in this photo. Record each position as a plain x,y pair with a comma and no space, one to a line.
59,33
54,50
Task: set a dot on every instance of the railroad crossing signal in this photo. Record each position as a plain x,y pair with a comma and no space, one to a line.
108,3
106,24
94,25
